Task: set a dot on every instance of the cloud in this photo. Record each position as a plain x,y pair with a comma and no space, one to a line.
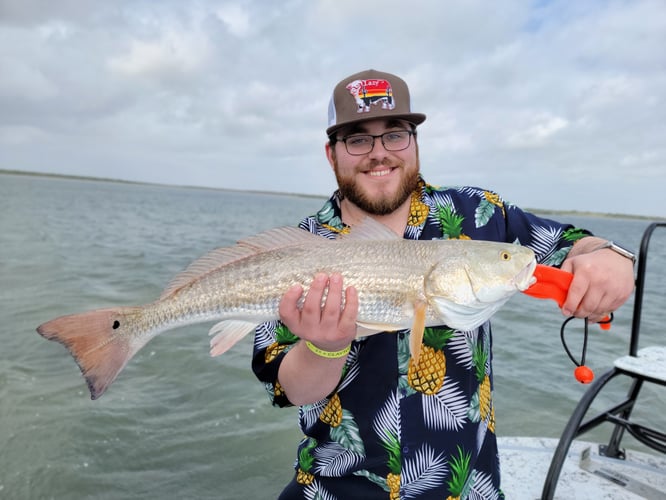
234,94
235,18
172,54
539,129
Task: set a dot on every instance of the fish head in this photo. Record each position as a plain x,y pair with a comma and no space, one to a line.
465,291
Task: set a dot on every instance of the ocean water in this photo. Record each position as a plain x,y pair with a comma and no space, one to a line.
177,423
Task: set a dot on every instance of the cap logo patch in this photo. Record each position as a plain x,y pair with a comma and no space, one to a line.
371,92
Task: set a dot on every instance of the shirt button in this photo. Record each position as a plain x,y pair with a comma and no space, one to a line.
405,450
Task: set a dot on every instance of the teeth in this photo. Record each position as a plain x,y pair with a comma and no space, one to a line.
379,173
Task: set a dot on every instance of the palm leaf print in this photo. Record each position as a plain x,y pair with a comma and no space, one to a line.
483,213
371,476
348,434
480,487
387,421
423,472
266,334
333,460
461,346
315,491
474,410
544,240
446,410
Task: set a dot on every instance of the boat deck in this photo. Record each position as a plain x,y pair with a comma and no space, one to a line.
585,475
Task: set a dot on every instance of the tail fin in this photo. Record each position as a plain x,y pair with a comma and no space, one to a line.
101,341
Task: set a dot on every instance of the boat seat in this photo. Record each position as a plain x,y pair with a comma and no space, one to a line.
639,366
649,363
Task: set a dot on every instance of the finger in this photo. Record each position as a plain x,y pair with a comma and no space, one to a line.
350,311
575,296
567,266
288,308
333,305
313,299
589,306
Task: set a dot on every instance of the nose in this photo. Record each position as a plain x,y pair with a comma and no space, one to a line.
378,149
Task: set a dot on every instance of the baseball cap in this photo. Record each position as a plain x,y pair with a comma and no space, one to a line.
369,95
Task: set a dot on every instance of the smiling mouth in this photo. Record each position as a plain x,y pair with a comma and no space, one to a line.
380,173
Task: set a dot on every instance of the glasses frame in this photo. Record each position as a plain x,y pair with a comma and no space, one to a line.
344,139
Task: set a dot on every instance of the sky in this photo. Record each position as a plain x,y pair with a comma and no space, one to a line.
556,105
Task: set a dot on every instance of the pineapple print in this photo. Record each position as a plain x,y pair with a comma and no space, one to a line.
332,412
451,223
418,211
494,199
459,474
278,390
428,376
305,463
392,446
480,358
283,339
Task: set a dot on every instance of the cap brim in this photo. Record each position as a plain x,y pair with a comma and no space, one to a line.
415,118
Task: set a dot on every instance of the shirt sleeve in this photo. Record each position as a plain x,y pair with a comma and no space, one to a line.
272,340
479,214
550,240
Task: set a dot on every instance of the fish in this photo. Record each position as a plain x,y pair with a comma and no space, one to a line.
401,284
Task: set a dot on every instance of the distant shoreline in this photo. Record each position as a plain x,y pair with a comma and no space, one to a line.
140,183
302,195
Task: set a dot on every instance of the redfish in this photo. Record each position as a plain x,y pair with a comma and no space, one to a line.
401,284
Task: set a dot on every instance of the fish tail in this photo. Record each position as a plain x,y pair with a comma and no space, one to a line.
101,342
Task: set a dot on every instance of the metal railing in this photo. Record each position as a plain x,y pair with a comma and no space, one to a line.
620,414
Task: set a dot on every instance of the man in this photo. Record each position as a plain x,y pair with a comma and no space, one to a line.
376,426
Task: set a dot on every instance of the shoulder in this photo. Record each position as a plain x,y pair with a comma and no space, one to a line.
461,195
466,209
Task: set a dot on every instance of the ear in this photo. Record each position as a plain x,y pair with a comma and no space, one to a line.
330,154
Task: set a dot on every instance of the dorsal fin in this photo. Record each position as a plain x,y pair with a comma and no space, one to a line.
280,237
369,230
273,239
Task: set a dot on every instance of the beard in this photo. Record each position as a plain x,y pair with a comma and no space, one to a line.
384,205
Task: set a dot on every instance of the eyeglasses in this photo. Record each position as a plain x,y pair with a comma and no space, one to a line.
396,140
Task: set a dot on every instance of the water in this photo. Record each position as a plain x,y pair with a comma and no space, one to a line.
178,424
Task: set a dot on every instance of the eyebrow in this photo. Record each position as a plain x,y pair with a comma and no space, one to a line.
393,123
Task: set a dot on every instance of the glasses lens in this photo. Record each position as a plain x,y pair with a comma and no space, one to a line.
359,144
396,141
363,144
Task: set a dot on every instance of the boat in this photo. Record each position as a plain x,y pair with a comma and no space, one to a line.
573,468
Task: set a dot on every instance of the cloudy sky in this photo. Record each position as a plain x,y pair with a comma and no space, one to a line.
554,104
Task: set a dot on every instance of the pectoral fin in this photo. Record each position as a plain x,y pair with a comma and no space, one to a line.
227,333
416,336
365,329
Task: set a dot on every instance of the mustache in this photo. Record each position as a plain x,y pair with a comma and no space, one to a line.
385,162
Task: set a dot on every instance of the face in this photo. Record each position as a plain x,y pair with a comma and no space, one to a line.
380,181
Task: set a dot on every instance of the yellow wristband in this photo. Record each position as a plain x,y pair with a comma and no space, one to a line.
328,354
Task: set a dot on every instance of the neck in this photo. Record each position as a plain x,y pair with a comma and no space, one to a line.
396,220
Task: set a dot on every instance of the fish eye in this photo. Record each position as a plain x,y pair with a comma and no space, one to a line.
505,256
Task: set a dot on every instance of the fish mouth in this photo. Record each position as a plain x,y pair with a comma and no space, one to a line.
525,278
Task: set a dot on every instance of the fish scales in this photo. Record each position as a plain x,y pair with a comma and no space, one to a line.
387,277
400,283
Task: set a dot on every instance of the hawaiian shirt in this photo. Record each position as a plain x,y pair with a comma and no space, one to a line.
391,430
